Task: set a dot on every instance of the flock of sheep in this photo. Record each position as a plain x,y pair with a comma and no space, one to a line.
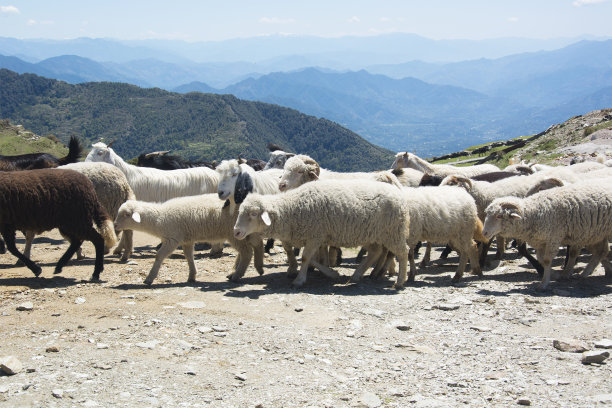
387,213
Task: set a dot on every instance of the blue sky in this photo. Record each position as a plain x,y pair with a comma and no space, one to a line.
205,20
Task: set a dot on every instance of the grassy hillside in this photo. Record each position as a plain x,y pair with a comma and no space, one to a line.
196,126
16,140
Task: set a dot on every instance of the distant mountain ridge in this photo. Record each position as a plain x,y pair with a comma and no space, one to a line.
196,126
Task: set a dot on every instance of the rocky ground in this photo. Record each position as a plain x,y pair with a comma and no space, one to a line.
481,343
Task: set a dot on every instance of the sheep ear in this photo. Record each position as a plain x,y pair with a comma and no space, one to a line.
136,217
290,155
243,186
266,218
512,209
313,175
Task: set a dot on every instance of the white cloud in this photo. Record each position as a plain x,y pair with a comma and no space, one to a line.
385,19
513,19
354,19
31,22
9,10
276,20
580,3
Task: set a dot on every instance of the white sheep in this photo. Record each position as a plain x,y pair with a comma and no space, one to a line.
410,160
277,159
236,180
184,221
301,169
579,215
331,213
112,189
154,185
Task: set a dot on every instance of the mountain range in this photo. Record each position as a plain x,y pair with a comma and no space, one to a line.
429,105
195,126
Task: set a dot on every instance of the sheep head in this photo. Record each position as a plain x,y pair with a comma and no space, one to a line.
459,181
101,153
499,216
298,170
252,217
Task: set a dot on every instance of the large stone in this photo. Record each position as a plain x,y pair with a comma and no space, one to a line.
25,307
594,357
369,400
10,365
569,346
604,344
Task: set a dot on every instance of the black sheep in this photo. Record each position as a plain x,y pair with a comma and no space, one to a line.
40,200
164,161
31,161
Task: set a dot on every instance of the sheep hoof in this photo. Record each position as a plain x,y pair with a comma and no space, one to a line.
398,286
37,271
95,278
296,284
57,271
456,278
541,287
148,282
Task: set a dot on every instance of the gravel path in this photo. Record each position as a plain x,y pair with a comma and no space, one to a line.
481,343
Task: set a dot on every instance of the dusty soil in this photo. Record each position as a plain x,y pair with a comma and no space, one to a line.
262,344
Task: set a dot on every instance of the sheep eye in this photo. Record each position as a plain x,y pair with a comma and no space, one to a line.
253,215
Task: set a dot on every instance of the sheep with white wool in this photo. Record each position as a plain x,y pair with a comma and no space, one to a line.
302,169
444,215
154,185
410,160
579,215
331,213
112,189
185,221
40,200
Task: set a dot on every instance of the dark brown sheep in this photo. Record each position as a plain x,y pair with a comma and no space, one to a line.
40,200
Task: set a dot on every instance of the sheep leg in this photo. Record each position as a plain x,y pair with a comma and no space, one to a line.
258,252
599,252
401,251
188,252
243,259
335,256
307,253
446,252
9,239
98,243
501,245
374,252
216,250
379,268
473,256
29,237
72,248
413,269
484,250
360,254
545,255
125,245
426,257
2,247
522,249
269,245
325,269
572,255
166,248
291,259
461,268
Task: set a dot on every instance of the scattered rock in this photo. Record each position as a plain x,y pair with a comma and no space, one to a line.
220,329
299,309
480,328
368,400
57,393
402,327
52,349
10,365
25,307
101,346
447,306
241,377
604,344
204,329
524,402
569,346
79,300
594,357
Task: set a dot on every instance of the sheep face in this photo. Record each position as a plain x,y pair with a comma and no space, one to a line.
251,219
401,161
500,217
127,217
100,153
228,170
277,159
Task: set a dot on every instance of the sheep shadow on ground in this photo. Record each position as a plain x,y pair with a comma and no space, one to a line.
40,282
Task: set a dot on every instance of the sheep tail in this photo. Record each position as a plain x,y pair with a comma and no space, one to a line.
75,151
478,233
106,227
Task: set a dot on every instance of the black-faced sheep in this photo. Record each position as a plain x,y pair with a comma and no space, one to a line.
40,200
